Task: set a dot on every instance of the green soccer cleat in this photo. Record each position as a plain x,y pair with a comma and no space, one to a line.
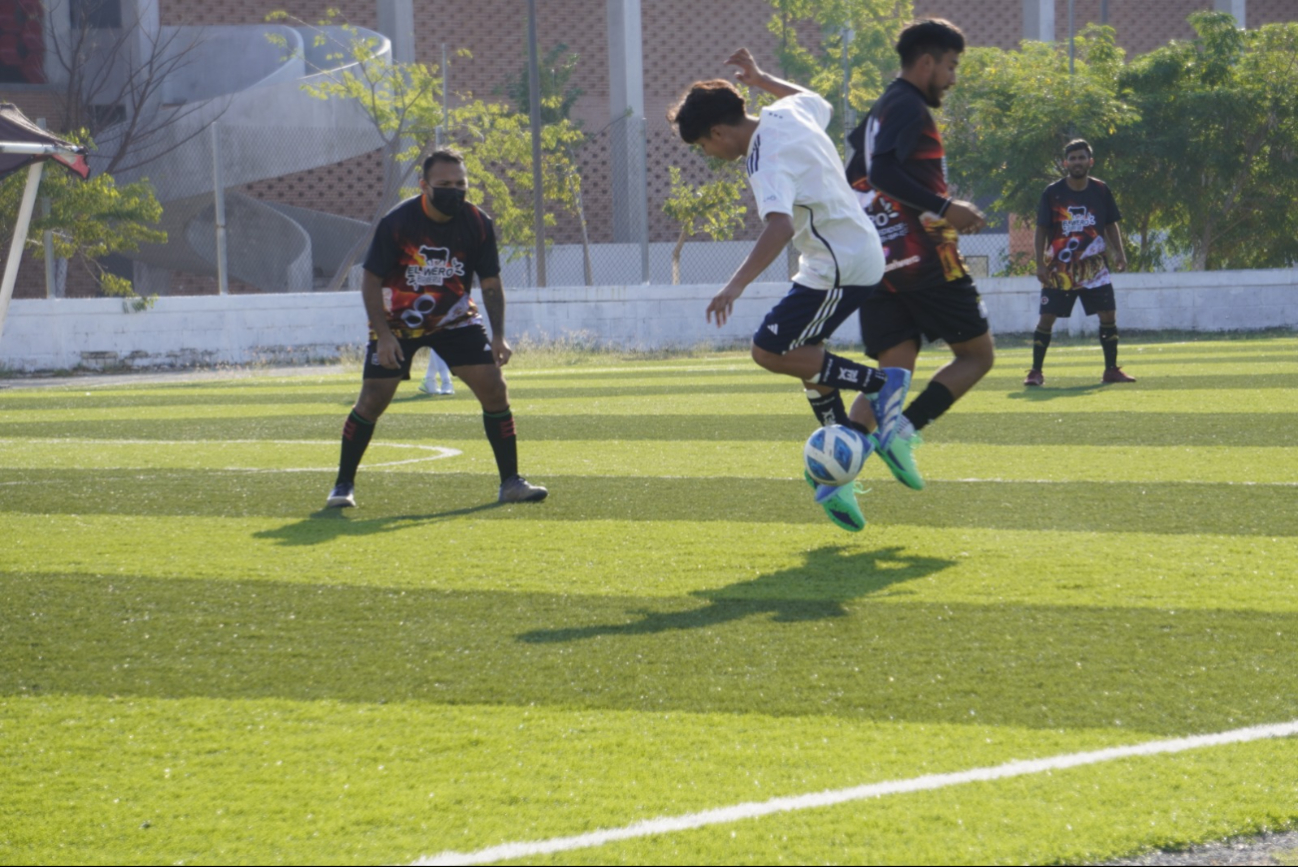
899,455
841,506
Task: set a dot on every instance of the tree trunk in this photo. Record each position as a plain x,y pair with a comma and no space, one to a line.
676,257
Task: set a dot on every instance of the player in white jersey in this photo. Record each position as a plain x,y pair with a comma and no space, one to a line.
803,197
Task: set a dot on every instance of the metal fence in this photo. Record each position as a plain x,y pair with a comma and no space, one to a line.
258,210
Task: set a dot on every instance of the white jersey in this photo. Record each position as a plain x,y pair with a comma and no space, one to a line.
794,169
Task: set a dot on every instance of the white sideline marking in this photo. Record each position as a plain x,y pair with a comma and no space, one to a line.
440,452
756,809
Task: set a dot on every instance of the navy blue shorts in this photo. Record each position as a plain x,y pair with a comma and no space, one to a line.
458,347
1059,302
808,316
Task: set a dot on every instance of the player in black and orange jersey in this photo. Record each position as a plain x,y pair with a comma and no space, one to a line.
898,168
416,289
1077,231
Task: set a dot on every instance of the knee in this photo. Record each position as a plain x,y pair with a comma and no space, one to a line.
494,396
766,359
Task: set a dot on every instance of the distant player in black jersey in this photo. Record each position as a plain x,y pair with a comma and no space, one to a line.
416,289
898,168
1077,232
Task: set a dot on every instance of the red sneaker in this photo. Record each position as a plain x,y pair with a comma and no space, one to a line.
1035,377
1115,374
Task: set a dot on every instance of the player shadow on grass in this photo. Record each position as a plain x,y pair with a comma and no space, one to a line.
326,525
816,590
1045,392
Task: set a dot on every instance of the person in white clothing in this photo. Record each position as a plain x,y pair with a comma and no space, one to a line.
437,370
803,197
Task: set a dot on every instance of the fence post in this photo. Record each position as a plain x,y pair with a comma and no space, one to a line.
218,195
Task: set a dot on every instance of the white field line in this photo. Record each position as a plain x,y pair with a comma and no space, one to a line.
439,452
757,809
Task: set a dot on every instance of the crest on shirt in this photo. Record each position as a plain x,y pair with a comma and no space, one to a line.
432,267
1079,217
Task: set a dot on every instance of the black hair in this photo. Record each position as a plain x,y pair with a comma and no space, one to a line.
442,155
1078,144
935,36
704,105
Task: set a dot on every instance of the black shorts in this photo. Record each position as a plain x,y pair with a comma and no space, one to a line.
1059,302
808,316
458,347
952,312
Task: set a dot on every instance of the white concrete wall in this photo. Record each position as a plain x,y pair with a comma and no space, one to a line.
53,334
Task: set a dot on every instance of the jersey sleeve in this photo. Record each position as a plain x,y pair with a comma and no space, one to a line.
383,253
772,179
1112,214
1044,217
486,262
815,105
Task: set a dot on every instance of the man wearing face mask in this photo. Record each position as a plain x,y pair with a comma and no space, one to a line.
416,289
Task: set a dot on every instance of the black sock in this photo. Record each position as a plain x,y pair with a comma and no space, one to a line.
839,372
1109,343
357,431
932,402
504,442
828,408
1040,343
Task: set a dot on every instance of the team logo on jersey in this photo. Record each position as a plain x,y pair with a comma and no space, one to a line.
433,265
1079,217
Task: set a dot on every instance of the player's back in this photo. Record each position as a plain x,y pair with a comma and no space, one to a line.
794,168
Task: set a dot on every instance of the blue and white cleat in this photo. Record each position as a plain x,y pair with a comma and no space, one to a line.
888,403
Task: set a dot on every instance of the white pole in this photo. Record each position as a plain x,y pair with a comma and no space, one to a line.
51,290
19,239
218,193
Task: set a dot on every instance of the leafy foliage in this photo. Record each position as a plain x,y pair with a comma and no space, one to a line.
88,219
812,46
711,208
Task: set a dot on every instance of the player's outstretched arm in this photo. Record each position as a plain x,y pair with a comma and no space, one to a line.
774,238
750,74
493,299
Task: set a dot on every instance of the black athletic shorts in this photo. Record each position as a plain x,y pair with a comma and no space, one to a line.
952,312
1059,302
808,316
458,347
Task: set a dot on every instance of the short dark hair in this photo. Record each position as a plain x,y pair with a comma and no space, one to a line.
704,105
442,155
935,36
1078,144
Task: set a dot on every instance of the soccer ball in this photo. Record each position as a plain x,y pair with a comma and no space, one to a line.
834,454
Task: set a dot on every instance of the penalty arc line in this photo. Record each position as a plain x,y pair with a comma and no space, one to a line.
757,809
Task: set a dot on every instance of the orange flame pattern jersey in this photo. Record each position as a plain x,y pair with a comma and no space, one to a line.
1075,221
427,268
920,248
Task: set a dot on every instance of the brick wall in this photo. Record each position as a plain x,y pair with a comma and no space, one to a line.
989,23
1271,12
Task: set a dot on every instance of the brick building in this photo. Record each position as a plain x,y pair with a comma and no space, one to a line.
678,41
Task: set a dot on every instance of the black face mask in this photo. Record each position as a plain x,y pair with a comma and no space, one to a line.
447,200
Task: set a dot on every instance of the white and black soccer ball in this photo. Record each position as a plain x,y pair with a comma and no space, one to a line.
834,454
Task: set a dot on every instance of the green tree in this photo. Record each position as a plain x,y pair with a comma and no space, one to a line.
88,220
711,208
1005,124
558,96
1212,160
820,39
404,102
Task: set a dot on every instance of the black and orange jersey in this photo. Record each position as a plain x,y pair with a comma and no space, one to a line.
427,267
921,249
1075,221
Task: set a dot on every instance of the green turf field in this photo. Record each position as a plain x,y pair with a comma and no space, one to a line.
199,666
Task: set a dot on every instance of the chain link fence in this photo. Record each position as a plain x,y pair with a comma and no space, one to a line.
295,212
